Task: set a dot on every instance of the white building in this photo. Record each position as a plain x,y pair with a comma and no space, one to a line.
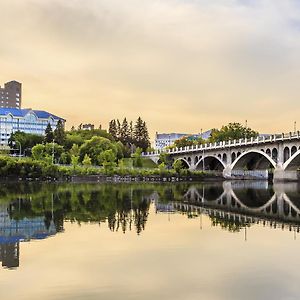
25,120
163,140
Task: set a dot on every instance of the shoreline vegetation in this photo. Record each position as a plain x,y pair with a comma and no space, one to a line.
30,169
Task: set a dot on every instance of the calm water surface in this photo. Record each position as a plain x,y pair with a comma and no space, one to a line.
183,241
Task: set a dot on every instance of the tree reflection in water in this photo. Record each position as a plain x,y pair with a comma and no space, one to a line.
37,211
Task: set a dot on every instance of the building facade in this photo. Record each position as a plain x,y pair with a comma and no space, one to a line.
11,95
25,120
163,140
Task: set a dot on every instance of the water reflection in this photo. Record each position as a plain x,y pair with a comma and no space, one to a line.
37,211
235,205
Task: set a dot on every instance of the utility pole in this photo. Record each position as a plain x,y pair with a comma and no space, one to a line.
295,127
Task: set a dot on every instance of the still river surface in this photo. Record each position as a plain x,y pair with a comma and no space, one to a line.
236,240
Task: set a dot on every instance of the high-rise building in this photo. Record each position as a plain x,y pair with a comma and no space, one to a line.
11,95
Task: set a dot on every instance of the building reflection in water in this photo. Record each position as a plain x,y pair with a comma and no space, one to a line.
12,232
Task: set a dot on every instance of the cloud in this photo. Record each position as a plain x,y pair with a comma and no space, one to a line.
201,62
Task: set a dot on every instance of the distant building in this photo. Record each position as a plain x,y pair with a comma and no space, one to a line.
88,126
25,120
11,95
163,140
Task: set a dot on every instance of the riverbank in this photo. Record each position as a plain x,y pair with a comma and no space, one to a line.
27,169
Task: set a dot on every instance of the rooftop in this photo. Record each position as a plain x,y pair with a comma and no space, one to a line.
41,114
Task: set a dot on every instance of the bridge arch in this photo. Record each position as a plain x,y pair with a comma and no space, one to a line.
185,163
210,162
293,163
253,160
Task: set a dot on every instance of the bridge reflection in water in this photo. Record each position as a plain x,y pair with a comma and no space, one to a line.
36,212
235,205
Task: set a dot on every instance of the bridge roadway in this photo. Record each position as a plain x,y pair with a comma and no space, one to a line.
245,158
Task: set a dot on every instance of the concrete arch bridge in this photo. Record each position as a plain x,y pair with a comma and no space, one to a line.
278,155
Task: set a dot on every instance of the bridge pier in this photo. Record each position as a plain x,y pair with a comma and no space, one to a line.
284,175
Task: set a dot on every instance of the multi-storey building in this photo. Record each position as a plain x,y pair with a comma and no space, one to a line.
25,120
11,95
163,140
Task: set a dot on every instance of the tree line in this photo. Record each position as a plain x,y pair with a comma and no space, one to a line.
130,134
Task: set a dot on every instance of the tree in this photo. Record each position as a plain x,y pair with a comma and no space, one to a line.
124,132
232,131
118,124
59,133
137,158
188,141
107,159
165,159
131,133
27,141
177,166
49,136
75,150
46,151
141,136
87,162
94,147
113,129
38,152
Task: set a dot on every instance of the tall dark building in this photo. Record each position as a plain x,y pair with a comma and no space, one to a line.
11,95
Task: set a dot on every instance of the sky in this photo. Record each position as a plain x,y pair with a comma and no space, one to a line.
182,65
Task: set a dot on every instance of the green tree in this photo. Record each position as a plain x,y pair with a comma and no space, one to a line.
74,160
75,150
38,152
165,158
87,162
232,131
47,152
26,140
107,159
49,136
95,146
177,166
137,158
124,132
141,136
113,129
59,133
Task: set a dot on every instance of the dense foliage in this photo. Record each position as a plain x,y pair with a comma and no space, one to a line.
130,135
232,131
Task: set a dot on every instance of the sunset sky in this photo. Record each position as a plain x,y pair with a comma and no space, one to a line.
182,65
